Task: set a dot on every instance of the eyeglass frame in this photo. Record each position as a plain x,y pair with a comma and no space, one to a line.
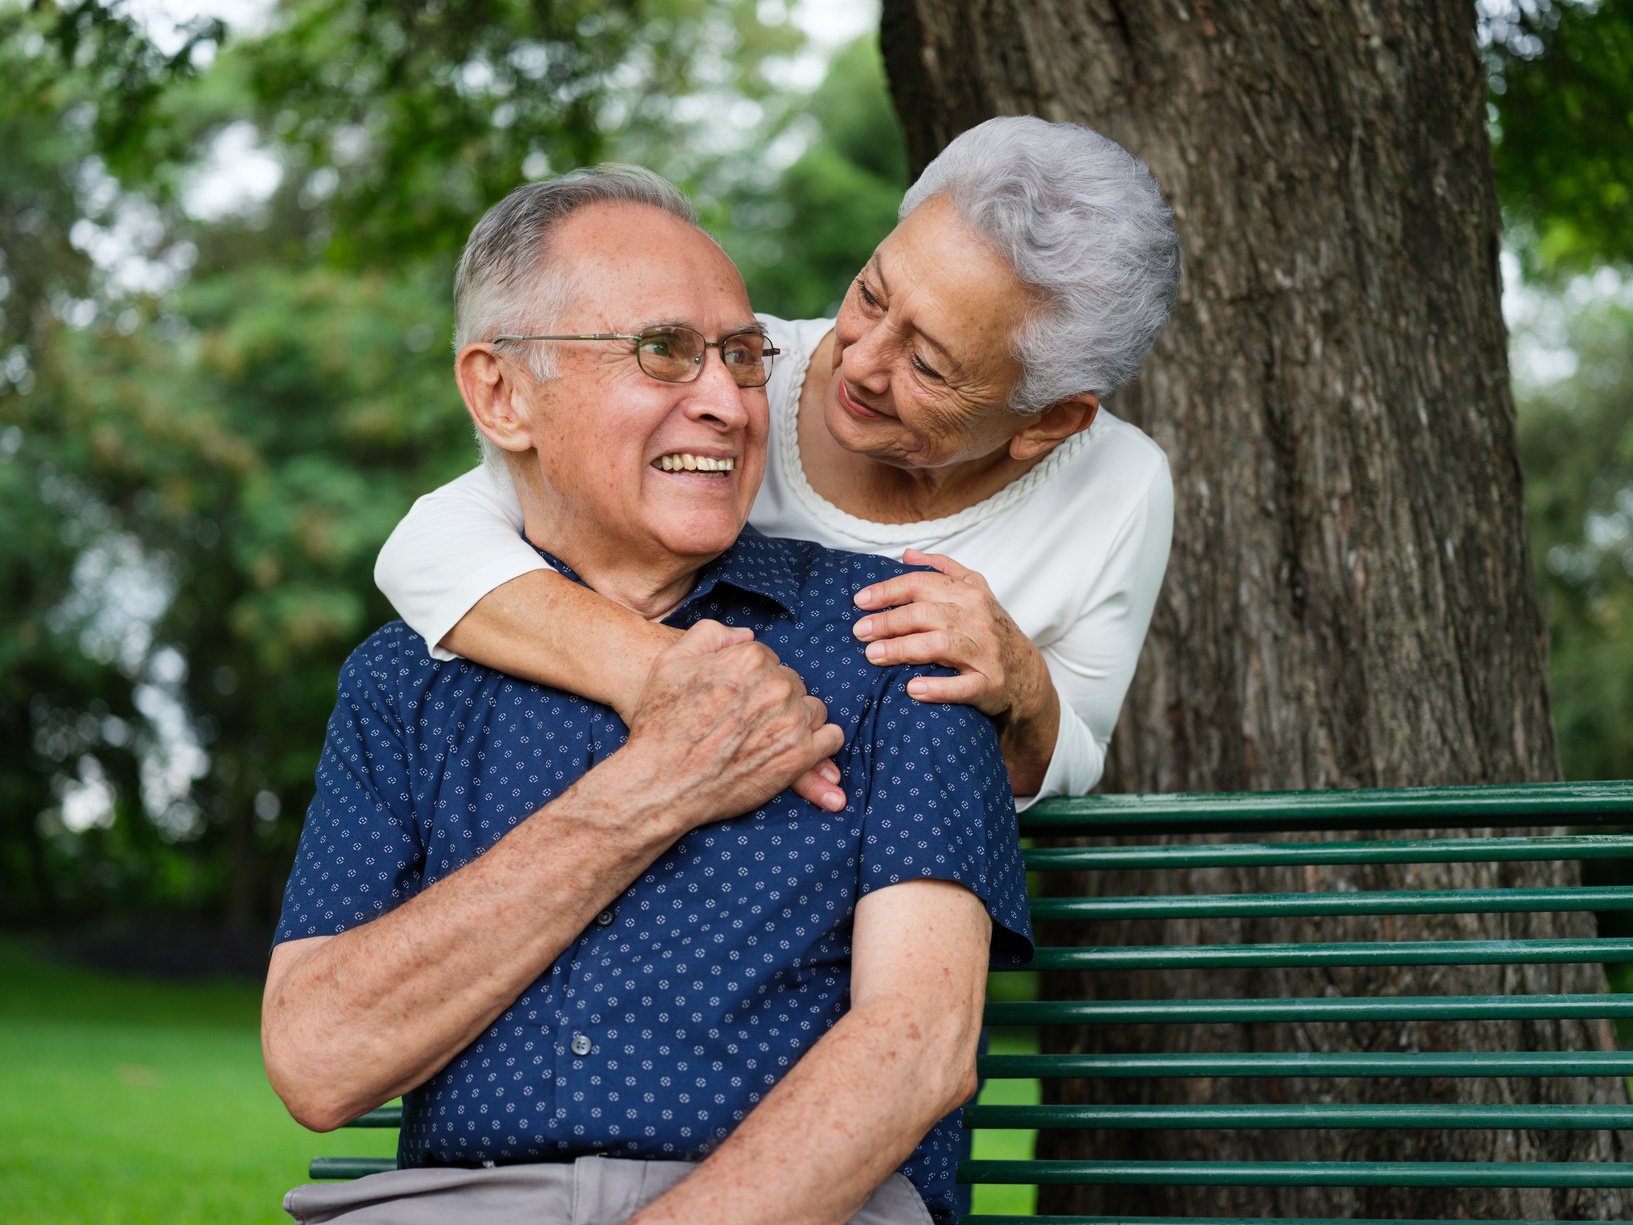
768,352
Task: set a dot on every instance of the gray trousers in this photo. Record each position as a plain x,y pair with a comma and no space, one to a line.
589,1191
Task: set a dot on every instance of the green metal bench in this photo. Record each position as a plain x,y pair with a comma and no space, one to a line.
1322,841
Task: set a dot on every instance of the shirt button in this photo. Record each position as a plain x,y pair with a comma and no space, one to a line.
581,1045
604,918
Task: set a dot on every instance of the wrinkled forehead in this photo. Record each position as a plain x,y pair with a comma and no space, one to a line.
650,267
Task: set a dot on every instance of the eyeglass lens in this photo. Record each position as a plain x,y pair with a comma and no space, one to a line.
676,355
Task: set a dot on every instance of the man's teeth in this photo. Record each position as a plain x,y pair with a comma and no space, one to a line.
684,462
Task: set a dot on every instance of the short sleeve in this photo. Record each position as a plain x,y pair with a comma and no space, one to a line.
937,806
359,854
456,544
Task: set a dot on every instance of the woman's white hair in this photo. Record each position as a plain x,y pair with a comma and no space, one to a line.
512,280
1083,223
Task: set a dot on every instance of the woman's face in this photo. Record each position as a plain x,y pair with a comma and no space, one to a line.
922,363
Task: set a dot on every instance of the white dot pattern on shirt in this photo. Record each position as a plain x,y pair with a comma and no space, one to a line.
659,1028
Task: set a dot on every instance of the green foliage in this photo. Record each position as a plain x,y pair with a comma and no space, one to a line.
801,240
1561,75
107,50
1576,442
201,471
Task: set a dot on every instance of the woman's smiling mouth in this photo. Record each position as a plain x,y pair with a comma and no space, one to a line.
842,389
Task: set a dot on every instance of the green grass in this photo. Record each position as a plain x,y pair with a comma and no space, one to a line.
130,1101
1008,1145
125,1101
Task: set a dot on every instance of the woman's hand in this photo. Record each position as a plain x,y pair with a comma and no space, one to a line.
951,617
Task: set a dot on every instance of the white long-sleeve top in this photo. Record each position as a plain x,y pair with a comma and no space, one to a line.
1075,551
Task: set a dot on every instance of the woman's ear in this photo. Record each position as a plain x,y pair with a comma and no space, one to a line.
493,396
1054,425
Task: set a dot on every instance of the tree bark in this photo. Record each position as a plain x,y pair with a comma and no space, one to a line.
1349,600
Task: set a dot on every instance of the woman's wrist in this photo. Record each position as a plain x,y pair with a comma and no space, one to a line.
633,667
1027,731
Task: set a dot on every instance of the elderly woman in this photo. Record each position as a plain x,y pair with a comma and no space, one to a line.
954,406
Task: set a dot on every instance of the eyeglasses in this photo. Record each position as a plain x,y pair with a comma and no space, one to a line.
675,354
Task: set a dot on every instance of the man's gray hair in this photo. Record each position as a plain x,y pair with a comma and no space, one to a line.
1082,222
511,280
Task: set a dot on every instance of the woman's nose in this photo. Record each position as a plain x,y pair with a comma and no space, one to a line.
865,361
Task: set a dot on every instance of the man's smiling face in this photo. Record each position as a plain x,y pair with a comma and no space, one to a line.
636,471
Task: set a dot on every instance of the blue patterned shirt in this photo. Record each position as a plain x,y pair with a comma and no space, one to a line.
693,993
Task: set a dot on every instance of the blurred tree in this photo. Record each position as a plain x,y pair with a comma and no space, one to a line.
400,122
802,237
1576,440
65,712
1561,79
216,420
259,443
1560,74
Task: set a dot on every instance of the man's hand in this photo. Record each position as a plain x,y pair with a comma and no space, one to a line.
722,726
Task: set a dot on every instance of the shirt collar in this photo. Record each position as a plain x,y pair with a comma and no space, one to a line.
755,563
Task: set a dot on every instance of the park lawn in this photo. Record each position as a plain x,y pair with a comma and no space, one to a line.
1008,1145
125,1101
135,1101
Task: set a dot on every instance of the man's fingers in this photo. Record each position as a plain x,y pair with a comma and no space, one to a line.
816,714
707,637
812,786
828,740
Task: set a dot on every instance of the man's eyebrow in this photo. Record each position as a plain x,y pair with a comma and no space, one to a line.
753,325
946,353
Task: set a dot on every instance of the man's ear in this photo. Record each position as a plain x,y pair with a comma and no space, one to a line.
1054,425
494,397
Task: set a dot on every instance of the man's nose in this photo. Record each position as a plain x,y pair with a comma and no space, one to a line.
715,396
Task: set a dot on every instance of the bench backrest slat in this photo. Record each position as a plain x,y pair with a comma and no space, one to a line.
1383,927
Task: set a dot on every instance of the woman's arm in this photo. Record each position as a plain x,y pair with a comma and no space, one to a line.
550,629
1093,662
458,570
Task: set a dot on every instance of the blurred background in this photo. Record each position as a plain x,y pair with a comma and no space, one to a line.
227,236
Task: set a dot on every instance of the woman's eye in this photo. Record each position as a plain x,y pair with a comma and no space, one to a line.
866,293
925,369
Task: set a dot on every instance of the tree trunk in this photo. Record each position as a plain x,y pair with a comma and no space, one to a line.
1349,601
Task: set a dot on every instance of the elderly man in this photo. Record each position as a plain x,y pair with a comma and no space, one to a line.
624,974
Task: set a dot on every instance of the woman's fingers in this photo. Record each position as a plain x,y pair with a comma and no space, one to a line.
915,618
903,589
945,615
937,646
967,689
937,561
980,680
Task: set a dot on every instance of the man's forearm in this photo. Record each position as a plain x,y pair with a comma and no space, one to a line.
842,1120
353,1020
855,1105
